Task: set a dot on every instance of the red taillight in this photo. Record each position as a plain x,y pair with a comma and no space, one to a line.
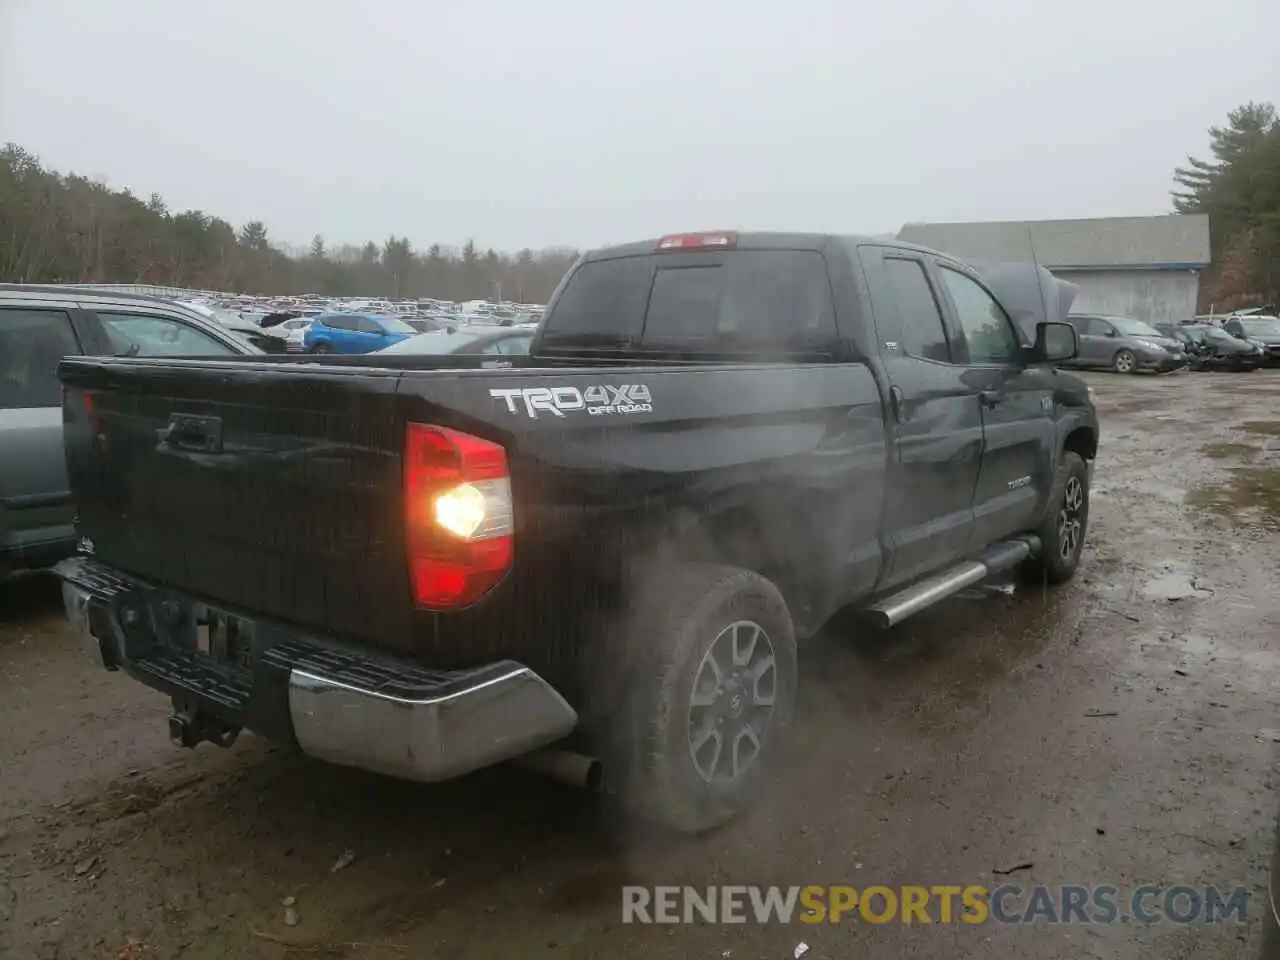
457,510
93,417
716,239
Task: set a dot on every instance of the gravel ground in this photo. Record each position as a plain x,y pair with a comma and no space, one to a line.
1117,730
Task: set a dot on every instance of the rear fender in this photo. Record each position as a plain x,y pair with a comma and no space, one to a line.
752,536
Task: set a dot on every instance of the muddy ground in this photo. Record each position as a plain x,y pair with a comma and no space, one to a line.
1117,730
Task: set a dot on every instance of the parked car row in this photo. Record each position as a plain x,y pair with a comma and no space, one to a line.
421,313
41,325
38,327
1126,345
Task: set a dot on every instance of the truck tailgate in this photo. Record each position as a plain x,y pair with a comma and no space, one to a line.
273,492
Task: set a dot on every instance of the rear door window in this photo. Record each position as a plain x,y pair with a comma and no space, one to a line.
740,299
920,329
31,344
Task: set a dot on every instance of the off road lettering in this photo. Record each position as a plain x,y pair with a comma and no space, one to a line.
601,399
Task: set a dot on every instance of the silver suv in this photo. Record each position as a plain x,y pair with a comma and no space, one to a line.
38,327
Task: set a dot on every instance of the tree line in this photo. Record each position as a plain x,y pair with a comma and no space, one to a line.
1239,188
64,228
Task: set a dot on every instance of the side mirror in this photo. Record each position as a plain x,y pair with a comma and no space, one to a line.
1055,342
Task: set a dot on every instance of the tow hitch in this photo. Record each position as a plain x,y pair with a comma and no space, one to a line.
188,727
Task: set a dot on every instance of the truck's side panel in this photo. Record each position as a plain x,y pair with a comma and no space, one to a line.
1019,433
1018,429
937,422
779,468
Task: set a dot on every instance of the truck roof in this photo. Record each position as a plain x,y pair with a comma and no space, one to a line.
761,240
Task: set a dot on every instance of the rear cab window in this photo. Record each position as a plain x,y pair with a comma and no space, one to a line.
735,300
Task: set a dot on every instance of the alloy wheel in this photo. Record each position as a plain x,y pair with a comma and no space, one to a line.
732,702
1070,524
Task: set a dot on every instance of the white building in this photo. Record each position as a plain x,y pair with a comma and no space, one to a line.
1142,267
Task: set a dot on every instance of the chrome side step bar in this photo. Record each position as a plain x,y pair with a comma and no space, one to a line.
896,608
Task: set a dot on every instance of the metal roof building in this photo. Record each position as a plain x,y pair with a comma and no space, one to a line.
1143,267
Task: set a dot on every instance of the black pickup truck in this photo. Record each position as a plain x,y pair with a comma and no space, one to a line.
607,550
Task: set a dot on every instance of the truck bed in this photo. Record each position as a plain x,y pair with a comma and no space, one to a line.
274,487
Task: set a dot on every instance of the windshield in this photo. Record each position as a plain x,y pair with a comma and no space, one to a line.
1135,328
394,325
1261,328
227,317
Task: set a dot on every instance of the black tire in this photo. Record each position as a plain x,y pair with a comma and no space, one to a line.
1057,559
1124,362
320,348
650,763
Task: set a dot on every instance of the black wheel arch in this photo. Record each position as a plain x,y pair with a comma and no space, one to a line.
1081,439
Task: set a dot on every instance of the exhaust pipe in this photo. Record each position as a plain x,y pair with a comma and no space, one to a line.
926,593
564,766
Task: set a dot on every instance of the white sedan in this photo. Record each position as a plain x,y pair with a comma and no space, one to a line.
294,330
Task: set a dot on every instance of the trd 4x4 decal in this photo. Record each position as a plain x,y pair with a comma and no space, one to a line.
598,399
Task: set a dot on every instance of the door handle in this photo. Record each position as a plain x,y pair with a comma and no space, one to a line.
991,398
896,404
186,432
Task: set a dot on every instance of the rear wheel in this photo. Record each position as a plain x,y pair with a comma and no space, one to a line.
1065,522
714,687
320,348
1124,362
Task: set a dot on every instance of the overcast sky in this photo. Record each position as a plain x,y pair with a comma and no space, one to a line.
578,122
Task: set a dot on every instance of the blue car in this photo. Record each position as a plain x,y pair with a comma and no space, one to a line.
354,333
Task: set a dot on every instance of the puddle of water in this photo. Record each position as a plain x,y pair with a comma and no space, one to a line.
1248,488
1198,644
1111,405
1226,451
1175,585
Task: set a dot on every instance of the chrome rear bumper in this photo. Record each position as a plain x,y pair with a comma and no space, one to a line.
433,737
346,706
